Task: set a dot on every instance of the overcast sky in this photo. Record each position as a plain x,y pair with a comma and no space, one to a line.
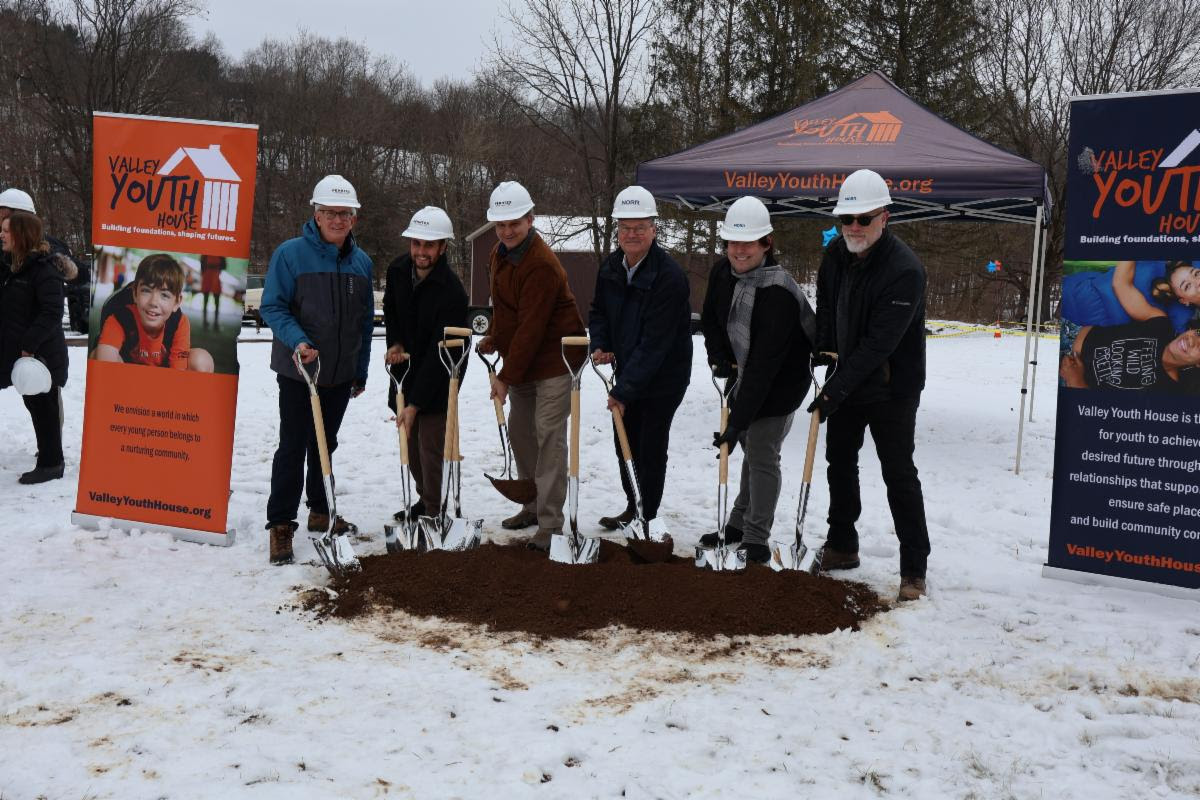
436,38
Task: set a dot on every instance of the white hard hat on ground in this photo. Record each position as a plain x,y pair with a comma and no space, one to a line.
747,220
334,190
862,191
30,376
634,202
510,200
431,224
18,200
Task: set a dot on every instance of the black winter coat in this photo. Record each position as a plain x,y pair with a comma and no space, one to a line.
871,312
646,324
31,310
776,376
415,317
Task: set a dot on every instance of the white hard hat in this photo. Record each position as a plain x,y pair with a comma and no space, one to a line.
510,200
431,224
30,376
747,220
16,199
334,190
634,202
862,191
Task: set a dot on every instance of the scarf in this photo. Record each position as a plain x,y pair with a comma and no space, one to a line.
741,309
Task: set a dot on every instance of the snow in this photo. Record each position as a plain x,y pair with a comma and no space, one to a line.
136,666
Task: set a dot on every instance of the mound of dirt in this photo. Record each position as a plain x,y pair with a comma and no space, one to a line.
511,588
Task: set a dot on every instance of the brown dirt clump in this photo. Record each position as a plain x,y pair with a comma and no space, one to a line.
511,588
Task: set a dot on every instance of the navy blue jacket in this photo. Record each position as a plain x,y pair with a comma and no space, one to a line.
321,295
645,323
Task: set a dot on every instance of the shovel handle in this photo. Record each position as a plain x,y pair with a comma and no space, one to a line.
451,413
622,437
723,474
810,451
452,404
575,432
401,430
319,425
496,404
448,343
467,332
576,341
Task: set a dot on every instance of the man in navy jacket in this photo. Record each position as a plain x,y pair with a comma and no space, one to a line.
640,318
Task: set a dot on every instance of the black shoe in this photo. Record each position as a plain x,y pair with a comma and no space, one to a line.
417,509
732,536
42,474
756,553
612,523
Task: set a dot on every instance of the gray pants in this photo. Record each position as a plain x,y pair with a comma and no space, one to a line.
758,492
537,426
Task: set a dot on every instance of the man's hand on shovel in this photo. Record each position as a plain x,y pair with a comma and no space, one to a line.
394,355
406,417
499,389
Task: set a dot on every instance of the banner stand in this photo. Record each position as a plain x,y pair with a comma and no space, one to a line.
1112,581
91,522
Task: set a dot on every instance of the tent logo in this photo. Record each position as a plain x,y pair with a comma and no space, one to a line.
862,127
219,209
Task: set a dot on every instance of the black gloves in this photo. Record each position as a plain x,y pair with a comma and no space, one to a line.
724,369
358,387
729,437
824,404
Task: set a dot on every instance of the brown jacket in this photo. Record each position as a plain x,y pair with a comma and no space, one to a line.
532,309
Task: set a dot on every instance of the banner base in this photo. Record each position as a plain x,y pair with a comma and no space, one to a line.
1094,579
91,522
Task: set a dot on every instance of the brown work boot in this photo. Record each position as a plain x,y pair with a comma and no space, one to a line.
612,523
911,589
837,559
281,543
522,519
319,523
540,540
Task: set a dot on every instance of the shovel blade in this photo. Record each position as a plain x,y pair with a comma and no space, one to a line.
462,534
336,553
518,490
405,536
649,546
573,549
796,557
429,536
720,559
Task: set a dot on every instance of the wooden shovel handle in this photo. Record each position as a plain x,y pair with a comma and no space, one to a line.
576,341
403,432
453,403
467,332
810,451
447,344
622,437
319,424
724,461
451,421
575,433
499,410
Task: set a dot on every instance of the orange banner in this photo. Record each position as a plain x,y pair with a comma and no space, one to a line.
172,204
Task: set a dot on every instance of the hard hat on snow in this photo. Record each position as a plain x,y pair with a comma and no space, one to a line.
862,191
17,200
510,200
334,190
634,202
430,224
30,376
747,220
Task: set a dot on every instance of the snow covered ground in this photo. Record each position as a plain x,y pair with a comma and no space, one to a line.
135,666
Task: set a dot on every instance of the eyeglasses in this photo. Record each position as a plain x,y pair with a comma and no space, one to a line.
344,214
862,219
634,230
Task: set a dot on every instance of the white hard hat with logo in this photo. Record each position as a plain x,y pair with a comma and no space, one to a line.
634,202
862,191
30,376
510,200
334,190
18,200
747,220
430,224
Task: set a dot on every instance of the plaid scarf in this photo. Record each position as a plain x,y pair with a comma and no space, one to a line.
741,309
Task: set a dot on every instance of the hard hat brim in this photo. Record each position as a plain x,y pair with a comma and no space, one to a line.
510,214
751,235
30,376
426,237
860,207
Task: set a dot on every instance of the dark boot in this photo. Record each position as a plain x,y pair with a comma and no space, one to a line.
756,553
522,519
541,540
836,559
42,474
319,523
281,542
417,509
911,589
612,523
732,536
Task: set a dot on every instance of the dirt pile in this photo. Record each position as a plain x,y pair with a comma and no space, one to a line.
511,588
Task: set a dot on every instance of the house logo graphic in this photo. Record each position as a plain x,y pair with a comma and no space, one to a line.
220,205
862,127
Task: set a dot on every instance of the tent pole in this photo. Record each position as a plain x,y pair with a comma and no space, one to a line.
1033,266
1041,286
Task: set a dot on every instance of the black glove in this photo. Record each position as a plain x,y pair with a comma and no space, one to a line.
729,437
724,370
824,404
824,359
358,387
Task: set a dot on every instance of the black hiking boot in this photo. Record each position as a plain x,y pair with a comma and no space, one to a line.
281,543
732,536
417,509
756,553
42,474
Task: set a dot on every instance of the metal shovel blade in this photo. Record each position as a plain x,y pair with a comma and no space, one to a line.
401,537
335,553
795,556
568,548
720,559
518,490
649,547
430,533
462,534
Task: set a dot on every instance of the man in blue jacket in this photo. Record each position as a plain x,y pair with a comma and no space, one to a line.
318,302
641,318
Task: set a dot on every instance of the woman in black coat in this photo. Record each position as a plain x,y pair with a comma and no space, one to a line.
31,311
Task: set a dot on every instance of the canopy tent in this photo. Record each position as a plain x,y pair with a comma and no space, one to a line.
796,161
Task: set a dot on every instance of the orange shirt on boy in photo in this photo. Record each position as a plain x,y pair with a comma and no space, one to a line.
148,348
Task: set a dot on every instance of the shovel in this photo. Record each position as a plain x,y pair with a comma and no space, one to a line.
519,490
333,549
797,556
721,558
651,543
574,548
446,532
406,535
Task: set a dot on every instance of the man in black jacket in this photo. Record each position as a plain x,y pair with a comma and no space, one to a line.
423,296
640,317
871,313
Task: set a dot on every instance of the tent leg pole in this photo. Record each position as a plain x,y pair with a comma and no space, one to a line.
1033,261
1041,288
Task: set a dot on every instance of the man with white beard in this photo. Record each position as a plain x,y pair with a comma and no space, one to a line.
871,313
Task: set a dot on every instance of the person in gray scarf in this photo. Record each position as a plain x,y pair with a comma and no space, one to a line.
758,326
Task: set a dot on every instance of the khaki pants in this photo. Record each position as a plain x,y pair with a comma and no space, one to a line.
426,446
537,427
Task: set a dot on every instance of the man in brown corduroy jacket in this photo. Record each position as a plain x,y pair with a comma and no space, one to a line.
532,309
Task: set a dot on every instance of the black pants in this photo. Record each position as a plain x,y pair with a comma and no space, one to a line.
45,410
298,442
893,426
648,426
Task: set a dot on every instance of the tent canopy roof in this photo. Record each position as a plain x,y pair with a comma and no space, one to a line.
795,162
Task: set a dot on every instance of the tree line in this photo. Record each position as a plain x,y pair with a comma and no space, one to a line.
572,96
